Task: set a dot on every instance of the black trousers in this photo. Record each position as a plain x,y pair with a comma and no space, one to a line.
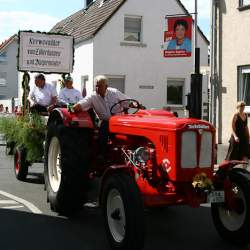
103,137
37,108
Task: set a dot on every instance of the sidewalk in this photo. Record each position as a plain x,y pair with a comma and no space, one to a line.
221,153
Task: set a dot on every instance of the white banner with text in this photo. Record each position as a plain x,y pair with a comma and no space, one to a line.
41,52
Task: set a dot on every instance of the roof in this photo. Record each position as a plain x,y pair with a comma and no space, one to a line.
85,23
5,43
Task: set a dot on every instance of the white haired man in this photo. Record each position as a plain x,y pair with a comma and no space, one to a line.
101,101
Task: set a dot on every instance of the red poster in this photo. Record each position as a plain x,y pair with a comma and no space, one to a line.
178,37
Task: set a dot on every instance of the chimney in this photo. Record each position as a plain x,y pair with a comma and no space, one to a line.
87,3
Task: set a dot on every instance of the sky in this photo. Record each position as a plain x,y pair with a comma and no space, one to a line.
42,15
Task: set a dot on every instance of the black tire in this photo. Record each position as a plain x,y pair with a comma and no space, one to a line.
69,197
123,188
21,166
233,225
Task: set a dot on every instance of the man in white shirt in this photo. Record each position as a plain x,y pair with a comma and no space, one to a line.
69,94
101,101
43,97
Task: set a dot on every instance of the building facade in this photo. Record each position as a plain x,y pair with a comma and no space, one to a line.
123,40
9,76
232,20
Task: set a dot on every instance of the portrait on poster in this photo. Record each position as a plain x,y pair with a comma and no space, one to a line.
178,37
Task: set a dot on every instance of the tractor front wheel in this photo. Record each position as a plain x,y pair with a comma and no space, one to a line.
123,212
232,218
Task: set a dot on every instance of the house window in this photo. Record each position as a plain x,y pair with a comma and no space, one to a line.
244,85
175,92
132,28
3,78
244,3
84,80
117,82
3,58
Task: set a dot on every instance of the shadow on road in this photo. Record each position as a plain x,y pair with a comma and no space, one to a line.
27,231
36,178
171,228
179,228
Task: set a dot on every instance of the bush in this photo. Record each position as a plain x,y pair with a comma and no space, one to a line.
28,131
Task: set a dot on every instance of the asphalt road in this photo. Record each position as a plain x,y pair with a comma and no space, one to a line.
26,222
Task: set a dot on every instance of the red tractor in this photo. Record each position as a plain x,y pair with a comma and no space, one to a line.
154,159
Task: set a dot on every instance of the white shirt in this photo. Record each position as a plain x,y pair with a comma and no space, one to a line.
43,95
102,105
70,95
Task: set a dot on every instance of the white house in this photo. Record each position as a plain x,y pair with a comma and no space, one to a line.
9,76
123,39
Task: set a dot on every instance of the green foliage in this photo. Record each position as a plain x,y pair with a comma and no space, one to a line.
28,131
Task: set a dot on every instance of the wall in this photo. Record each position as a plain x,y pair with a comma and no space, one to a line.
11,88
83,64
142,65
235,52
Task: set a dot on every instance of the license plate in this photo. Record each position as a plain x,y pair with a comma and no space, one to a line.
216,197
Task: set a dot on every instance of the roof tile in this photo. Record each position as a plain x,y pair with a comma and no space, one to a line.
85,23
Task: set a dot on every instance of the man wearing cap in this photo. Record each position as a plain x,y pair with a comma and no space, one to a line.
43,97
69,94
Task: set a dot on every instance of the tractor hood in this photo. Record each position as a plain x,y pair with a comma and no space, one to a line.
154,120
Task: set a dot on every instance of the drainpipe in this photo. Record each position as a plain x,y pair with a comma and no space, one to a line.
214,65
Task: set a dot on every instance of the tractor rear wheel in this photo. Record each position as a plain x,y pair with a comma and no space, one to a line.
66,167
232,221
21,166
123,212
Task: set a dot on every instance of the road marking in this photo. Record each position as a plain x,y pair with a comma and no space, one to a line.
27,204
11,207
7,202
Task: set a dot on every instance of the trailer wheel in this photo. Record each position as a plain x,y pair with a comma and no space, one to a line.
232,221
66,166
21,166
123,212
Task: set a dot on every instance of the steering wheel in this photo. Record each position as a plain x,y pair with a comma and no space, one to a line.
123,106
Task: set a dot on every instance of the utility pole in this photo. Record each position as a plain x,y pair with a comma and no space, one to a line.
195,96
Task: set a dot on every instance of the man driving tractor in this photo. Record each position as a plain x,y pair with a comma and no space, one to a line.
101,101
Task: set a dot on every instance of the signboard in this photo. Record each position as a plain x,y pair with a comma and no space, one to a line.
44,52
178,37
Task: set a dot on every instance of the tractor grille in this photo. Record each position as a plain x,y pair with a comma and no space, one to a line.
206,150
189,149
164,142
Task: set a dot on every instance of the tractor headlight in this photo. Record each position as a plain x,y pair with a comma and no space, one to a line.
141,155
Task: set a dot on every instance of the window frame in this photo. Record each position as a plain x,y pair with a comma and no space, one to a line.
141,32
110,76
84,80
177,79
243,6
239,79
